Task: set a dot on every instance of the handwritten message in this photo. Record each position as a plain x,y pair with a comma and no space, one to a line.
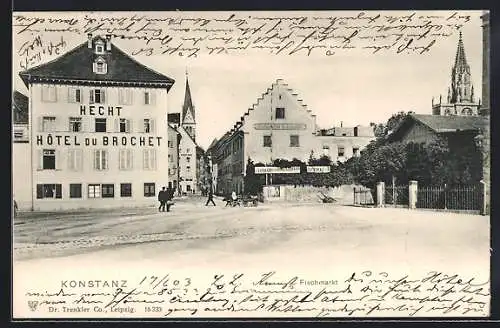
359,294
276,33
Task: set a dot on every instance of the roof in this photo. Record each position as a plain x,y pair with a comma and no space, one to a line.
188,102
440,124
174,118
76,64
20,108
214,142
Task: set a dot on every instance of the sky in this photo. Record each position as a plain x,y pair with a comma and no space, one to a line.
353,89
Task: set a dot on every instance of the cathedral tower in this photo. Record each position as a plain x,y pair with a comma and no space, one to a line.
460,99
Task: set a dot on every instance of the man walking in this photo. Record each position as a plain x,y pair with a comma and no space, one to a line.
210,197
162,199
169,195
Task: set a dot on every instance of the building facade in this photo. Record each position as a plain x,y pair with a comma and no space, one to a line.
279,126
174,139
21,154
99,137
461,99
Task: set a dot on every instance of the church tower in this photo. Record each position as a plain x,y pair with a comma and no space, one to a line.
461,86
460,99
188,118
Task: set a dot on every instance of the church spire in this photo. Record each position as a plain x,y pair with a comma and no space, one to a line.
188,119
460,76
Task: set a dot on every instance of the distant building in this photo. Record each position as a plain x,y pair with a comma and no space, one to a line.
99,135
174,139
185,123
461,99
21,151
427,128
279,126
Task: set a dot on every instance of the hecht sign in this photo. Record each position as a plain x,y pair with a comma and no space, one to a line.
276,170
318,169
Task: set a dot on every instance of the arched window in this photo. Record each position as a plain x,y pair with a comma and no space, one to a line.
100,66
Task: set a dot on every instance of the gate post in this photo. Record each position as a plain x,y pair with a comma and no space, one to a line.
380,194
484,198
412,194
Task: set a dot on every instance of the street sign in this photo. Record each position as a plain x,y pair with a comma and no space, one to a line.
318,169
280,126
276,170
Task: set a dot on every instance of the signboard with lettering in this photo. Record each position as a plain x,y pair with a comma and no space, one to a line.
318,169
276,170
280,126
90,139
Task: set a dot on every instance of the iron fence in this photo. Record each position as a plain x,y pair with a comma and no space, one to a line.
363,196
397,195
463,197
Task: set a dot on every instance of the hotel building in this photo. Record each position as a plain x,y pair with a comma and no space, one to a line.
98,129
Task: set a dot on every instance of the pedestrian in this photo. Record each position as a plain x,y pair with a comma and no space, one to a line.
15,208
162,199
234,198
169,195
210,197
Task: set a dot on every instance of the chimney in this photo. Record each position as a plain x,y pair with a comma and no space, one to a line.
108,42
89,42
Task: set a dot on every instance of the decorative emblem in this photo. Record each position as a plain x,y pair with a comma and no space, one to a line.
33,305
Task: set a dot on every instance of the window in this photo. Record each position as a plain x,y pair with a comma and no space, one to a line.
188,169
123,125
170,144
188,188
48,191
94,191
99,49
125,162
148,98
75,190
74,95
294,141
75,124
280,113
188,150
49,93
355,151
326,150
18,134
125,190
188,159
170,158
100,160
149,189
341,151
108,190
100,125
355,131
97,96
48,124
75,159
267,141
149,126
49,159
149,159
100,67
125,96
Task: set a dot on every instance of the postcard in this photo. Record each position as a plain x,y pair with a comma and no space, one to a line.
251,164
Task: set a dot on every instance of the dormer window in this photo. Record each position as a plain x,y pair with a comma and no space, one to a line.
99,47
100,66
